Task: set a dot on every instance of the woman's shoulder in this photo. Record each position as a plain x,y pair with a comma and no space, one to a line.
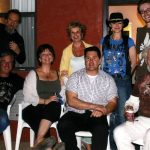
130,39
68,48
86,44
31,73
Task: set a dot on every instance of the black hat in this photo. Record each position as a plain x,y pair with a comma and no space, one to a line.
117,17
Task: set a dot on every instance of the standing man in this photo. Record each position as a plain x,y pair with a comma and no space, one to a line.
143,34
10,38
10,83
144,11
91,95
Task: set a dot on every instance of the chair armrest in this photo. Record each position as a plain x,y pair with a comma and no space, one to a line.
10,105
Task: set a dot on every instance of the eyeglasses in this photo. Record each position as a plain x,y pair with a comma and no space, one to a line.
147,11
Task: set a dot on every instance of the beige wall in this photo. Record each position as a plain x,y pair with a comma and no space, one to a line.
4,5
129,12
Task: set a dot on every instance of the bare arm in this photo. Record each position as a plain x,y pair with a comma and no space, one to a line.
133,58
101,49
111,105
74,102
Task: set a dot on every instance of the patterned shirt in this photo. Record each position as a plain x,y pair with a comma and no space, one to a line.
101,91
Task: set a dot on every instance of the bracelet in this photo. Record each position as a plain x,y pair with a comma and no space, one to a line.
44,102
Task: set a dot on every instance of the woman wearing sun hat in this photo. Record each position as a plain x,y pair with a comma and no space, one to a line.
119,60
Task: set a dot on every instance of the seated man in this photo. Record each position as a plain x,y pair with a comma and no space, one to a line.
140,127
91,95
10,83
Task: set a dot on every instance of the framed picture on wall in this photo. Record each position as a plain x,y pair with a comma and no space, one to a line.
143,39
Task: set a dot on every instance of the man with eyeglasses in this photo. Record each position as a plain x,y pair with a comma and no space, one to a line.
143,37
144,11
10,83
10,38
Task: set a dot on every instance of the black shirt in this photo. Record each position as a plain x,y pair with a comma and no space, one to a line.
8,87
6,38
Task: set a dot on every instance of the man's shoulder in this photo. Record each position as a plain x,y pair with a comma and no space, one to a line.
79,72
2,26
15,76
17,34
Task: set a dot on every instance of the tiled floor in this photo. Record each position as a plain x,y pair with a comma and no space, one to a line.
23,145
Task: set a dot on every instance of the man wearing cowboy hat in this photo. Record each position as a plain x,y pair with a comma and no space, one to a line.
119,61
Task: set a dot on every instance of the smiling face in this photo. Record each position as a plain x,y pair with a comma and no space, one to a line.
76,34
46,57
6,64
116,27
92,62
145,12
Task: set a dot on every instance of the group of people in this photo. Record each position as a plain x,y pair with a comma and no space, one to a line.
11,49
95,82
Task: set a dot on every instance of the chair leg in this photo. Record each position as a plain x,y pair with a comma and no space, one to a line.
31,138
108,144
18,136
7,138
78,142
141,147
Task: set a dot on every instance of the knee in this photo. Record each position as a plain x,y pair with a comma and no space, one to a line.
117,132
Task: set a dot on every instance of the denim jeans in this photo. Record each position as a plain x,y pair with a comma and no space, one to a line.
117,117
4,121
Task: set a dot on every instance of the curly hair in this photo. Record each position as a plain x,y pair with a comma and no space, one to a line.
74,24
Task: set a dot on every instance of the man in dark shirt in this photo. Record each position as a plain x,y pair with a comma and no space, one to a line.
10,83
10,38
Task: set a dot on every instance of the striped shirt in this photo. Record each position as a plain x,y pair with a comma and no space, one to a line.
101,91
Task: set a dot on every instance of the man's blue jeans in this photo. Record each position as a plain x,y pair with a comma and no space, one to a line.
4,120
124,91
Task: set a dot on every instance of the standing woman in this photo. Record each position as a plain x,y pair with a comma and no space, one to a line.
119,61
41,86
72,58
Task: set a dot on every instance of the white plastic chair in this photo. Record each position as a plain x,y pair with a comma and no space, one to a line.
7,132
88,134
139,142
22,124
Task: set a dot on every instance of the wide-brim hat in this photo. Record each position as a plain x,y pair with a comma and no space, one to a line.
117,17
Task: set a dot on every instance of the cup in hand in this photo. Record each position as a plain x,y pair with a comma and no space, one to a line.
129,114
